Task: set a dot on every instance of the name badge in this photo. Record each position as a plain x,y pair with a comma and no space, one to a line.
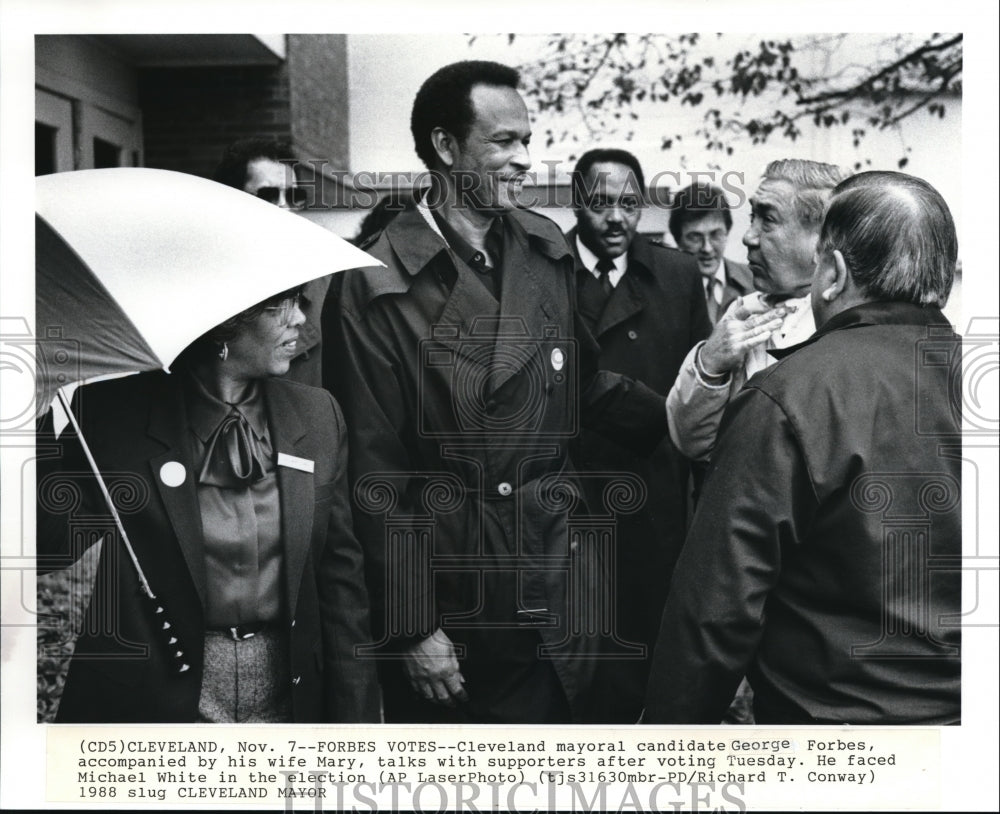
292,462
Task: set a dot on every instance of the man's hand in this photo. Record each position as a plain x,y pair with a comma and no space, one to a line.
433,670
749,322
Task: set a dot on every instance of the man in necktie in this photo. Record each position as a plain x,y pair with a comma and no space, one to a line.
700,221
786,214
645,305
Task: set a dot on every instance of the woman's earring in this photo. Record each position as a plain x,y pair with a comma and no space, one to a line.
224,351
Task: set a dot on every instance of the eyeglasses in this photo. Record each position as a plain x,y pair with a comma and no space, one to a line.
283,310
288,197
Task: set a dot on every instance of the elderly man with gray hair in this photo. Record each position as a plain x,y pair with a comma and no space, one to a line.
825,555
786,213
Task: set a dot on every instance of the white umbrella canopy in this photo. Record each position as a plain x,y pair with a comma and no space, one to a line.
133,264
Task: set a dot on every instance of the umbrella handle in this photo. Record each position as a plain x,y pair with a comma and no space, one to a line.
167,635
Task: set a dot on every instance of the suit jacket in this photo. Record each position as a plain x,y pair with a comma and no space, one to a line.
739,283
652,318
135,427
461,411
818,558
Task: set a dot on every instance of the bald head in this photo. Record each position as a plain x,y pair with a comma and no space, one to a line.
896,235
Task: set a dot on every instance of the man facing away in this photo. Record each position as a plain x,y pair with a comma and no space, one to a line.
700,222
825,554
644,305
465,376
786,213
265,168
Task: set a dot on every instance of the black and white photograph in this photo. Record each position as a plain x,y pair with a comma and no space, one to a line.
621,405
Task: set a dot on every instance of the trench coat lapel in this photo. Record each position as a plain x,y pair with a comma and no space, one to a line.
167,424
625,301
417,245
470,310
296,488
526,310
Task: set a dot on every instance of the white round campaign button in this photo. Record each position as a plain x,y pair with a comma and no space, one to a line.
558,359
172,473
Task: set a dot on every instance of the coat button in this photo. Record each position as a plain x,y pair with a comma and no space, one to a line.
505,489
296,680
633,335
293,623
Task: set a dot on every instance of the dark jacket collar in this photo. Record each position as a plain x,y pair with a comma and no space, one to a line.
640,254
289,426
872,313
408,245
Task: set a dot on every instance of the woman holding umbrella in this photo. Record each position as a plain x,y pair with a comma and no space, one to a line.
230,584
231,486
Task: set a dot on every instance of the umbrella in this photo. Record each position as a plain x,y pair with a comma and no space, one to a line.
133,264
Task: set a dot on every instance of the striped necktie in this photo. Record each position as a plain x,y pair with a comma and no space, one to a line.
710,301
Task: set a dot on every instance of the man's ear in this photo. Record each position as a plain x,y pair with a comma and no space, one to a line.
836,277
444,145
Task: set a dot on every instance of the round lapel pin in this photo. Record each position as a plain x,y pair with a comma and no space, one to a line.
172,473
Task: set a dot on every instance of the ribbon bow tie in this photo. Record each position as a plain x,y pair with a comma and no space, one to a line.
233,458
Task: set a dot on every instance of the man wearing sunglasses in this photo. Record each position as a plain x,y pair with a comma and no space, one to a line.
266,168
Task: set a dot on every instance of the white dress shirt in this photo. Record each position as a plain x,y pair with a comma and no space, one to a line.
590,261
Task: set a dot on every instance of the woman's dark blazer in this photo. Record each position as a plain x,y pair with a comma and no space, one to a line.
136,428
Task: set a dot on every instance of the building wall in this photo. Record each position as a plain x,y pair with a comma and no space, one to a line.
84,91
317,77
192,114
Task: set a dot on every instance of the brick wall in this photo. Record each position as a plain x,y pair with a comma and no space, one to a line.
317,84
190,115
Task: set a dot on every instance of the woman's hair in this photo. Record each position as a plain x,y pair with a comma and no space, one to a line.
209,343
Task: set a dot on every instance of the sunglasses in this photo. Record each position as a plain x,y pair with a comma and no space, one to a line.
288,197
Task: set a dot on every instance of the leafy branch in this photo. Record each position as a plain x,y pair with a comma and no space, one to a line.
600,84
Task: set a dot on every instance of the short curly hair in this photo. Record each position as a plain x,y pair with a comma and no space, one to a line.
603,155
813,182
232,169
695,202
444,100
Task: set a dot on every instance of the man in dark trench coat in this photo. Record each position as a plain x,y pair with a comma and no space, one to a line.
646,308
465,376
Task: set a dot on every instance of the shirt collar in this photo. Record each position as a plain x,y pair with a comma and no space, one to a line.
875,313
465,250
720,272
798,325
590,261
206,412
